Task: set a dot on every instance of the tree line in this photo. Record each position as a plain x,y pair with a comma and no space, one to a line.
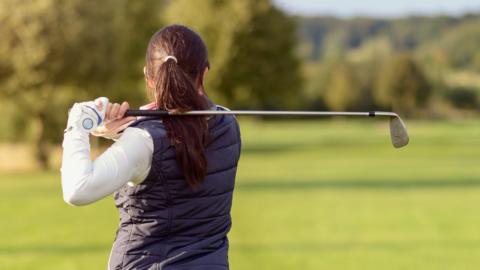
417,66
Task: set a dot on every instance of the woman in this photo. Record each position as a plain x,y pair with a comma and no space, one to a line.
173,178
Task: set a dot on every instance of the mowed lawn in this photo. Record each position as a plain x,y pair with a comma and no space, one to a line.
309,195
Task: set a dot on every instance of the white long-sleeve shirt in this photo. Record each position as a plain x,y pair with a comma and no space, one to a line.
127,161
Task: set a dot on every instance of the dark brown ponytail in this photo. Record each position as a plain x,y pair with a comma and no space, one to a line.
176,60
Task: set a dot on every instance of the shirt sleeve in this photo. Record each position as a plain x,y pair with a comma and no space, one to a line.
85,181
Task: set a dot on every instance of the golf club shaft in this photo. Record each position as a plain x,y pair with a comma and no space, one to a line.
159,113
398,131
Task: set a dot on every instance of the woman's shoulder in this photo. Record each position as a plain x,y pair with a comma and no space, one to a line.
135,138
221,108
224,125
135,133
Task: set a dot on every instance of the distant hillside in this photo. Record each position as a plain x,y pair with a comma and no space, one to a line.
404,34
351,63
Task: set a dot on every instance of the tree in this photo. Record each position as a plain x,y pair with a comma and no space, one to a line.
461,46
252,50
402,85
54,52
342,93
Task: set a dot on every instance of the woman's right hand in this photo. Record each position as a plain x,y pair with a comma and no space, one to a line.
114,122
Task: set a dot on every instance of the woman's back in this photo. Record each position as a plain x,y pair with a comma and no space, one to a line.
164,223
173,178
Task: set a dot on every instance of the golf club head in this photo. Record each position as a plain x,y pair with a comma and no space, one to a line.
398,132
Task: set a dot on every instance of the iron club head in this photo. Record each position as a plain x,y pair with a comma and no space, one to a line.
398,132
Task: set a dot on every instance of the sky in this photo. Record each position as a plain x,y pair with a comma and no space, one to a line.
378,8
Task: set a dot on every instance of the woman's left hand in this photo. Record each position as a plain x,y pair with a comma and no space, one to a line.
114,122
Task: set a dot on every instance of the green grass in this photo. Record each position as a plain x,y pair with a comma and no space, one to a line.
328,195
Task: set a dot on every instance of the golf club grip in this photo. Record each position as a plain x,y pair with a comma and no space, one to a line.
159,113
146,113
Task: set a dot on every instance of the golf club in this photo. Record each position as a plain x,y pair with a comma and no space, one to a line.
398,130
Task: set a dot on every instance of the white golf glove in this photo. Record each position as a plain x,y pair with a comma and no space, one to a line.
86,116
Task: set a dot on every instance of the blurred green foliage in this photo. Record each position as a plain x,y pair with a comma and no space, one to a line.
252,49
55,52
341,94
463,97
402,85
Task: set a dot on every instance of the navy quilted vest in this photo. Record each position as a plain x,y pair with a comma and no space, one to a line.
164,224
